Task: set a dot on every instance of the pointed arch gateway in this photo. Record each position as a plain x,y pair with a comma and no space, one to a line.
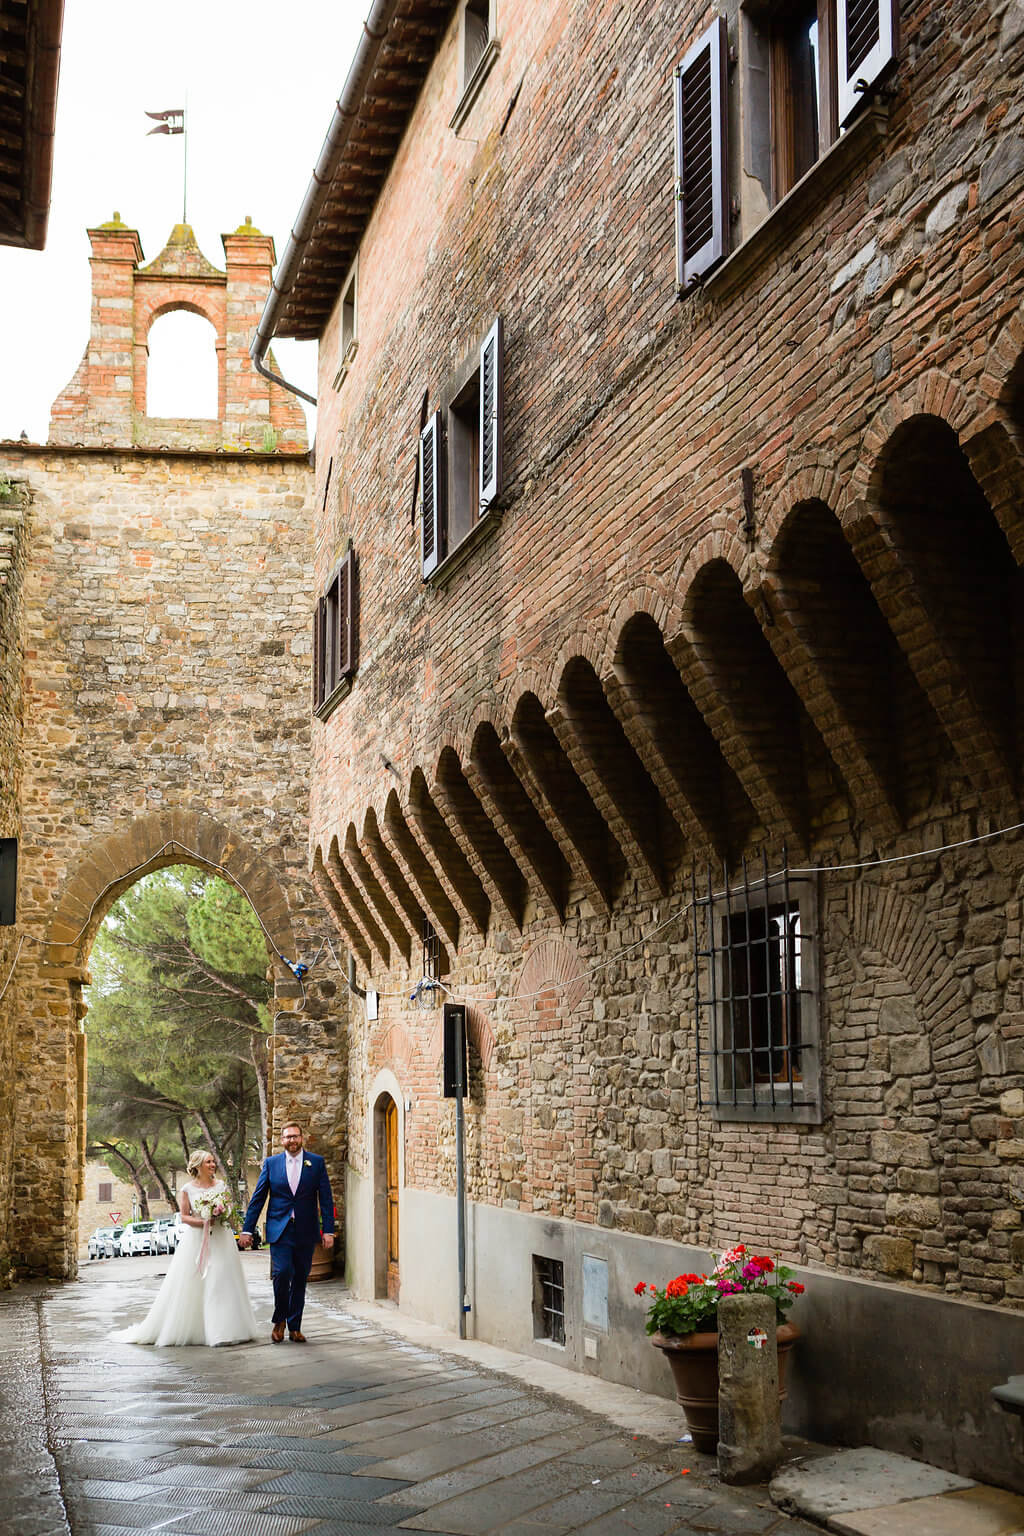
108,868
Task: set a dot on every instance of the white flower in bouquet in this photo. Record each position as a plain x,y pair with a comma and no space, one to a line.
212,1206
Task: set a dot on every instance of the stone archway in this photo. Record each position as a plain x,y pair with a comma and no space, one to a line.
51,1149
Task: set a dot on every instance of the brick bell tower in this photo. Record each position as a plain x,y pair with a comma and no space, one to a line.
105,403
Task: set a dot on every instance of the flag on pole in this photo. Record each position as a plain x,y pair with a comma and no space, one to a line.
171,121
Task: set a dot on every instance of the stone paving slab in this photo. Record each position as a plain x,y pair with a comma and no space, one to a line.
359,1433
967,1512
858,1479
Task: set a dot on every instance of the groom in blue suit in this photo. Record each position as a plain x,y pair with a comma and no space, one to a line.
297,1182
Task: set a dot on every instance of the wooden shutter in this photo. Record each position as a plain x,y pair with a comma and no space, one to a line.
318,652
492,415
702,192
432,480
346,616
867,37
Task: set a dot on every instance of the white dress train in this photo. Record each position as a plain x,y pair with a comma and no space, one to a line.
191,1308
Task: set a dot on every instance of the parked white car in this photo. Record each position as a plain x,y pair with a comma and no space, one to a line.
105,1243
166,1229
138,1237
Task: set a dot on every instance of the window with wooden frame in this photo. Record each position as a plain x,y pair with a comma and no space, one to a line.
477,52
757,991
105,1194
348,340
461,455
805,69
334,637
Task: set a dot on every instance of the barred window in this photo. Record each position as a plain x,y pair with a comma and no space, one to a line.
757,1003
548,1299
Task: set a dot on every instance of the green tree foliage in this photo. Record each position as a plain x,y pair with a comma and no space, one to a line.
178,1022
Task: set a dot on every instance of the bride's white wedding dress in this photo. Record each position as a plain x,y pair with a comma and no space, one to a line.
191,1308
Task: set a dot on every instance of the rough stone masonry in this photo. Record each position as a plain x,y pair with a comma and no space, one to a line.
155,603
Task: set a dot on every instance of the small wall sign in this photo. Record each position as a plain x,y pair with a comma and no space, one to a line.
757,1338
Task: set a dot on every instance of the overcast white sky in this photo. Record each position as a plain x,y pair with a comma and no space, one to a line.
261,81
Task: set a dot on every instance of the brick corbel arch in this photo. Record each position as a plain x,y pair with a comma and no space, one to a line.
932,394
652,599
1003,356
719,544
110,865
579,644
814,482
526,680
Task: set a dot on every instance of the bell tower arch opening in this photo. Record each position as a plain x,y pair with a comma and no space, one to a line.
182,369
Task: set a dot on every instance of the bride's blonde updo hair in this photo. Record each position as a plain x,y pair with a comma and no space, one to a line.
196,1161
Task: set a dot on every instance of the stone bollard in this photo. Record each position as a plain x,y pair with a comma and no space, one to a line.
749,1436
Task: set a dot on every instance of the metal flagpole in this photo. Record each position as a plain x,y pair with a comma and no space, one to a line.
171,122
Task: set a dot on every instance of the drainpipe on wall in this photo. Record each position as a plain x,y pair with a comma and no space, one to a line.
346,111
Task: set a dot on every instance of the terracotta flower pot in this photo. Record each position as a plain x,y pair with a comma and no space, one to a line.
323,1263
693,1358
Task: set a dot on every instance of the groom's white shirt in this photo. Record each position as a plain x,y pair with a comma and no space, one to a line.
293,1168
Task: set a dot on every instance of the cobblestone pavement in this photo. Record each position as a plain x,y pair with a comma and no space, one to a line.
358,1433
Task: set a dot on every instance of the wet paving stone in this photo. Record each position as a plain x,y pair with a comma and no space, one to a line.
358,1434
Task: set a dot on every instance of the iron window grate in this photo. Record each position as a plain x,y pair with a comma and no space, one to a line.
755,947
431,951
548,1299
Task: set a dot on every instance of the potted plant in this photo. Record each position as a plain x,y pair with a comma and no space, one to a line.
682,1320
322,1267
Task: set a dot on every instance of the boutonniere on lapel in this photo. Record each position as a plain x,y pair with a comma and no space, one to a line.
306,1163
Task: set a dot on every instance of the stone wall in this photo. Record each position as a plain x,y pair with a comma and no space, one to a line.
753,583
13,553
166,720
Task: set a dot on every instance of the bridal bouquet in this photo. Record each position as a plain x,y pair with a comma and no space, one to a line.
213,1206
214,1209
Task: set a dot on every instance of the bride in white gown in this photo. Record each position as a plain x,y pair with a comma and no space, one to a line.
204,1299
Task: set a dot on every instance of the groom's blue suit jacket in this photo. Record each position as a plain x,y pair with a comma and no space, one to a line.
314,1189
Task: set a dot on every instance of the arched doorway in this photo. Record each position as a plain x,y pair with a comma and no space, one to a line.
56,1143
177,1035
386,1183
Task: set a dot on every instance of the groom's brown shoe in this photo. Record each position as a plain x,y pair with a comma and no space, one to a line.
277,1333
297,1337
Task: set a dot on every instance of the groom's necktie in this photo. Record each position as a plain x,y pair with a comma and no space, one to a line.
294,1169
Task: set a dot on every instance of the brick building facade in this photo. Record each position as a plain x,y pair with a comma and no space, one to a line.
720,570
154,597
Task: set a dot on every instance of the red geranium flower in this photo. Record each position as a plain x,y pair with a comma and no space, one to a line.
795,1287
640,1287
677,1287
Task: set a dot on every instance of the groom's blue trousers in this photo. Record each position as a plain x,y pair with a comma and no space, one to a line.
290,1264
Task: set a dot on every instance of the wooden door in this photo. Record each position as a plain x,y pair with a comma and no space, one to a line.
391,1176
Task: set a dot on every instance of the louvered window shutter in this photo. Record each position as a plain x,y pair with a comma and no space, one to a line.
702,193
492,414
432,481
318,653
346,616
867,37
